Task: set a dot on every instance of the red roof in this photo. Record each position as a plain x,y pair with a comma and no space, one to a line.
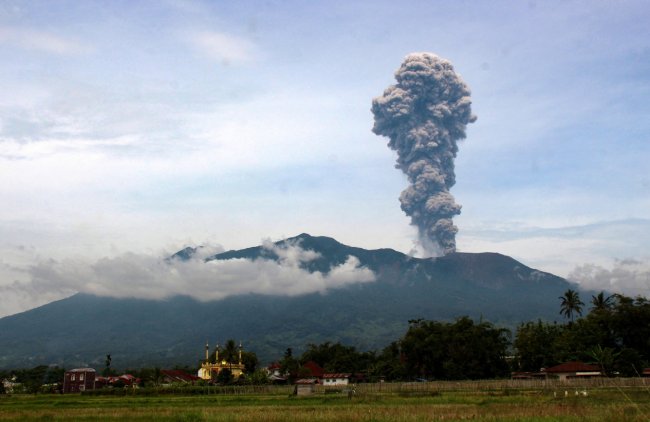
573,367
314,368
646,372
178,375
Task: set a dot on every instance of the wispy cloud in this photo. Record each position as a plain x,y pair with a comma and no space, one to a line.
558,249
32,39
156,277
228,49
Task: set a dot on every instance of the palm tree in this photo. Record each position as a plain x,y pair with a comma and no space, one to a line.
571,304
601,302
230,352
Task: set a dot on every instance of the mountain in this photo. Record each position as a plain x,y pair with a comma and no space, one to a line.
82,329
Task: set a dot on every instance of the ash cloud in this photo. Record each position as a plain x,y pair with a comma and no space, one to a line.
424,115
628,276
158,277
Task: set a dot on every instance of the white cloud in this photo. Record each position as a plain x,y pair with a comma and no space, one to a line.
226,48
31,39
155,277
630,277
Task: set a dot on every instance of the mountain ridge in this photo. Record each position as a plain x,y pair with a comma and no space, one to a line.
82,329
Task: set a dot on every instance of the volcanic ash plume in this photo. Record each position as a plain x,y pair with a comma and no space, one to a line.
424,115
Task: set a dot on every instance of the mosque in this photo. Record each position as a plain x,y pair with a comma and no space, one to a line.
211,365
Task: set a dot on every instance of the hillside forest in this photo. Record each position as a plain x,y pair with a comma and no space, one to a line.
614,333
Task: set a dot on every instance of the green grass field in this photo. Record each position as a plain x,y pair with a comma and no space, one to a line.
602,404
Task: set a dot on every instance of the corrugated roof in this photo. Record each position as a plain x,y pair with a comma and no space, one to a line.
82,370
573,367
179,375
339,375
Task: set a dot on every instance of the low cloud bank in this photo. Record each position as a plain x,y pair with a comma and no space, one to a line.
630,277
158,277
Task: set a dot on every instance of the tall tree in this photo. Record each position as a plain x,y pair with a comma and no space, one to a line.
108,371
460,350
536,344
601,302
230,352
570,304
289,365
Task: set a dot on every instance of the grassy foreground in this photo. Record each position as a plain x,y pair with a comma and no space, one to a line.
603,404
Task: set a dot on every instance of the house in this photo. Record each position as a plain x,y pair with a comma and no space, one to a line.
274,374
305,386
573,369
527,375
101,382
646,372
175,376
77,380
126,380
9,384
335,379
273,370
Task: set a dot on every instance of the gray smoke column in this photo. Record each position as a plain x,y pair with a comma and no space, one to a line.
424,115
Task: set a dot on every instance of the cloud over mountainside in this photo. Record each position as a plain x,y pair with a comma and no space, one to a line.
628,276
158,277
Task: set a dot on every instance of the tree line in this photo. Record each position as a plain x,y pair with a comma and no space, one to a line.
614,333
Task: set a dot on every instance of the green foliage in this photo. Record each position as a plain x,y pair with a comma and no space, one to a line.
224,377
338,358
258,377
390,364
289,365
230,352
108,371
570,304
615,335
534,344
459,350
600,302
250,361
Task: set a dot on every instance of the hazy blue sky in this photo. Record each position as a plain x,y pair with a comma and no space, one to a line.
144,126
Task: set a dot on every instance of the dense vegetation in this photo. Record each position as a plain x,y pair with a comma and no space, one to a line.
614,334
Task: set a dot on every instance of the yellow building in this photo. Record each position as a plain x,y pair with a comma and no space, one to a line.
212,365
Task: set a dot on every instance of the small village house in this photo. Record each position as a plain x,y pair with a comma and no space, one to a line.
574,369
335,379
176,376
305,386
79,379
